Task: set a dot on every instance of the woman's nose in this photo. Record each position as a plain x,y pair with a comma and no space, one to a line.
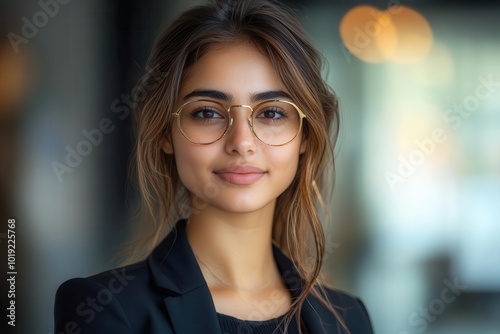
240,138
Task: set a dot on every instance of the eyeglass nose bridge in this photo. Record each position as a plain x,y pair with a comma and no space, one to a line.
231,117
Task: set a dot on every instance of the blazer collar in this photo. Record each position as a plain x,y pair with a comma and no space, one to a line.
173,264
175,270
314,315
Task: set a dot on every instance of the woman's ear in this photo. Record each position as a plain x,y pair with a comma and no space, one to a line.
303,144
166,144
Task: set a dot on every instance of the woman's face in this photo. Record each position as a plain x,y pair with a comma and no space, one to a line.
238,173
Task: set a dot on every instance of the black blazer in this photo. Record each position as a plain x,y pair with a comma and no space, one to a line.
167,293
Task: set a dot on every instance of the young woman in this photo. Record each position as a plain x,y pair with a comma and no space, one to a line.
232,153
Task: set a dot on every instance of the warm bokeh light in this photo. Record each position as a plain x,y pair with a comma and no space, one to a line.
398,34
365,30
14,81
414,37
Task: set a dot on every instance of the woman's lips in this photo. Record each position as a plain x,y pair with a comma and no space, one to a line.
240,174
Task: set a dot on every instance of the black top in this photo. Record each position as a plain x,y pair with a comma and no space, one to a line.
167,294
232,325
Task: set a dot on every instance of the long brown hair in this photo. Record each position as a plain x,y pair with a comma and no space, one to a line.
272,28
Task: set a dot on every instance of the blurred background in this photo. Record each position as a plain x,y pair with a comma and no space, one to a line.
416,230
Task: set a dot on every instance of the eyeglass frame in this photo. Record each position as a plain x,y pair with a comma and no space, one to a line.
231,118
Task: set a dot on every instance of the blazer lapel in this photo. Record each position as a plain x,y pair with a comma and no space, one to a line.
316,319
175,271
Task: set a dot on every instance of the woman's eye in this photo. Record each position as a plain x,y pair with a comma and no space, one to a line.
271,114
206,114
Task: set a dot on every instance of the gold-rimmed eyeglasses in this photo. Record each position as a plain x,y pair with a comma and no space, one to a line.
273,122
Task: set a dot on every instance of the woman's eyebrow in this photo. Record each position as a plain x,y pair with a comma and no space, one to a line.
269,95
219,95
210,93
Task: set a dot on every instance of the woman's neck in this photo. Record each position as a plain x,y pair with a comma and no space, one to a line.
235,248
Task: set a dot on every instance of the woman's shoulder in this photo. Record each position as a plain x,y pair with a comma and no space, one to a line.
113,281
349,307
342,298
103,301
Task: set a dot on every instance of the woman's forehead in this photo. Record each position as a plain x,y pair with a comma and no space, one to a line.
237,69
